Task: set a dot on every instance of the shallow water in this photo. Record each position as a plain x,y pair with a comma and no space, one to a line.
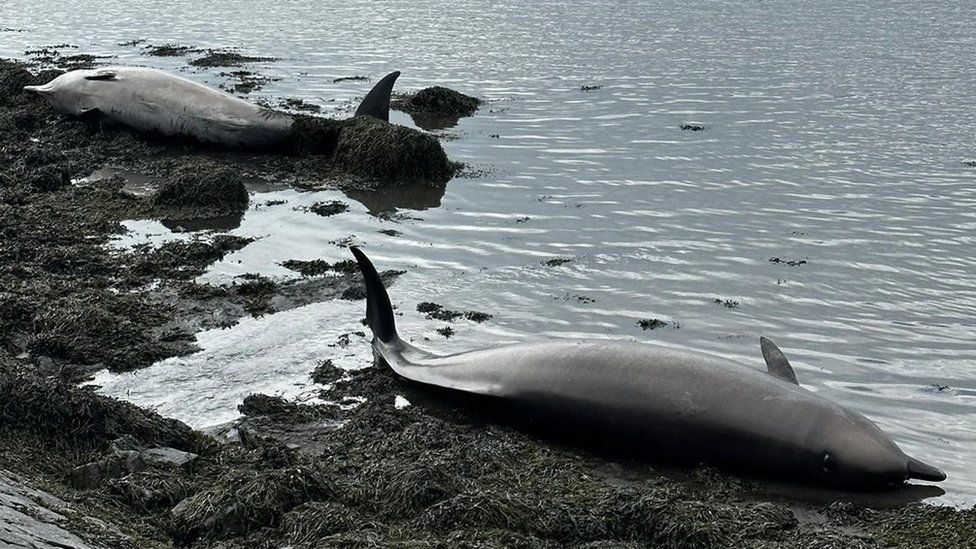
836,134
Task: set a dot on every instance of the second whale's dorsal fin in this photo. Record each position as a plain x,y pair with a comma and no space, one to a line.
101,74
377,101
776,363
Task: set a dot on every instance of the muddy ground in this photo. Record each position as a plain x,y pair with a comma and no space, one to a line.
367,471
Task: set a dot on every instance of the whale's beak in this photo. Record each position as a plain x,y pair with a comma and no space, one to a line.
43,90
923,471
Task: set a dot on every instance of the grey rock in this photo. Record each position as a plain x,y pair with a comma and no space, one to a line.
115,465
28,518
168,456
127,442
122,462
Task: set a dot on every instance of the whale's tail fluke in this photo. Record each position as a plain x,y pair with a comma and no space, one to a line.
379,312
377,101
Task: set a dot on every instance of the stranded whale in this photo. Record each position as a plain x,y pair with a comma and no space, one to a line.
664,402
152,100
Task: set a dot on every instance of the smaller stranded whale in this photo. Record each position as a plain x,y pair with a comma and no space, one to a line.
664,402
152,100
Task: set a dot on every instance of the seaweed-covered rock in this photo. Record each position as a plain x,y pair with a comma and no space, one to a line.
379,150
122,462
313,521
246,501
151,490
203,190
315,135
405,493
12,82
89,329
217,58
63,411
481,509
184,260
437,100
329,208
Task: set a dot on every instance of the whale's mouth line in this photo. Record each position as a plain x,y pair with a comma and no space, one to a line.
923,471
43,90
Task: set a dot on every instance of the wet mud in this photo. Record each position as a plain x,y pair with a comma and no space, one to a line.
379,462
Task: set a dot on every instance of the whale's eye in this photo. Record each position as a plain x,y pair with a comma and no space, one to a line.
828,465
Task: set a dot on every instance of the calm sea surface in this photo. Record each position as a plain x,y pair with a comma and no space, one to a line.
837,133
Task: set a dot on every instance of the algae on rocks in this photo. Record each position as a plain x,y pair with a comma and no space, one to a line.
374,149
202,190
437,100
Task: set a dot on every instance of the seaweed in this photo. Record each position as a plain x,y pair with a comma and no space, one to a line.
379,150
313,521
201,190
168,50
437,100
651,323
218,58
330,208
62,411
243,502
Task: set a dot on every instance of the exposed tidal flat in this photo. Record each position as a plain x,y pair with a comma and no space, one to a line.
700,185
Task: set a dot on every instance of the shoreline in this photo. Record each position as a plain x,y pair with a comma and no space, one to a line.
389,476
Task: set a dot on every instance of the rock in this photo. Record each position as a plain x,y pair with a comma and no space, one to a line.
439,100
202,190
122,462
386,152
126,442
169,457
94,474
25,523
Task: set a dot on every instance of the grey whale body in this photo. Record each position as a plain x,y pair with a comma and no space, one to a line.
151,100
677,405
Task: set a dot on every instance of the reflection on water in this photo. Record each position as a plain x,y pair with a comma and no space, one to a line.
430,121
220,223
835,135
413,196
911,493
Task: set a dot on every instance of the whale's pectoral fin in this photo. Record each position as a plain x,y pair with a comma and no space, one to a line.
776,362
91,115
101,75
377,101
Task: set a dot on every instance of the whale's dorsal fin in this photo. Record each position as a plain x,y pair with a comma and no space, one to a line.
101,75
776,362
377,101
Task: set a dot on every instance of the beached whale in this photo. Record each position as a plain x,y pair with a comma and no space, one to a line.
152,100
664,402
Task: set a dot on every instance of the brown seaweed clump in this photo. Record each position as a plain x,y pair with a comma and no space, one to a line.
204,190
242,502
373,149
437,100
388,152
61,411
218,58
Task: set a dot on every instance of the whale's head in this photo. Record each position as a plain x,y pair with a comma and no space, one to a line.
74,92
854,453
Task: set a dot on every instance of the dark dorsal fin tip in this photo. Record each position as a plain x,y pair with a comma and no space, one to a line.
101,75
776,363
377,101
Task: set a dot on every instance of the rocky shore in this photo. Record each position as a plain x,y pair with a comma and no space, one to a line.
81,470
